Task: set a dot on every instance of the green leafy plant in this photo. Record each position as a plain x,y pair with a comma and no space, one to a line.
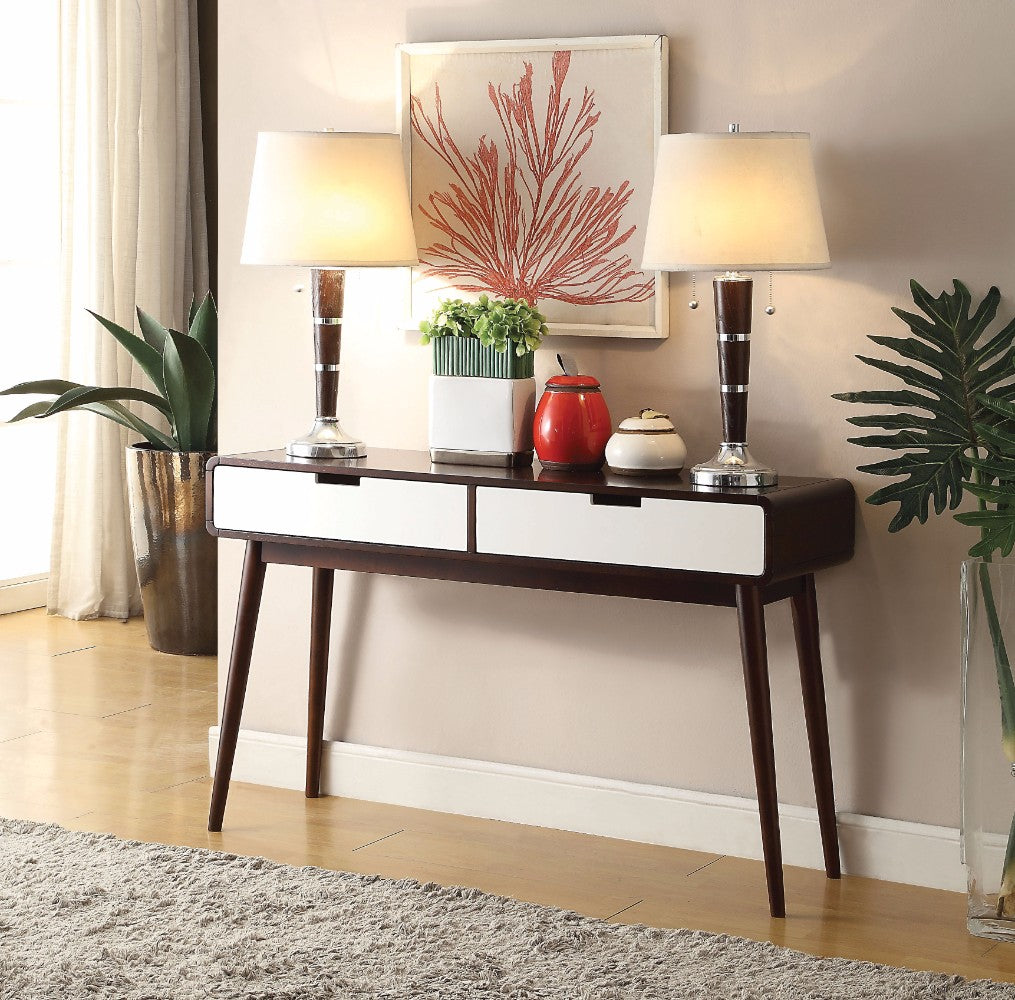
994,481
496,323
452,318
962,439
181,367
962,368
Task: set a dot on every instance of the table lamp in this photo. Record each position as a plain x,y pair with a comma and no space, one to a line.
734,202
328,201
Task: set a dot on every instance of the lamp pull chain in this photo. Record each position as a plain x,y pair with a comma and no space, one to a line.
769,309
693,304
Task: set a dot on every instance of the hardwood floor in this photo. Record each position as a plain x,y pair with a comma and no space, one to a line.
100,733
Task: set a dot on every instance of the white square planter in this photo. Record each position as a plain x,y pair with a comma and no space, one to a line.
481,421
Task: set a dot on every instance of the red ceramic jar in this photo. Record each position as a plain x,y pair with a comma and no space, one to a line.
572,423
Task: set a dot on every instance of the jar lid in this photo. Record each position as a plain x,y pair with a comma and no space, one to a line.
648,421
572,382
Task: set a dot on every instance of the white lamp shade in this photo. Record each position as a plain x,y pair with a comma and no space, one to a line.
329,199
740,201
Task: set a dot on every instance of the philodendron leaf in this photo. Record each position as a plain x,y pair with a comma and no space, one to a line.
997,527
995,484
190,386
142,352
102,394
1004,408
955,363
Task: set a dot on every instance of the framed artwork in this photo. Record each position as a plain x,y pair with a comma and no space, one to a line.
530,169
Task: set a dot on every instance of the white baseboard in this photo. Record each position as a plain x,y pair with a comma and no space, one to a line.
889,849
22,595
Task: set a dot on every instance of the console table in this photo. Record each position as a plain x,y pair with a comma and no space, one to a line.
661,539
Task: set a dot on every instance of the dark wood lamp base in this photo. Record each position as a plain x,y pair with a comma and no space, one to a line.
327,439
733,465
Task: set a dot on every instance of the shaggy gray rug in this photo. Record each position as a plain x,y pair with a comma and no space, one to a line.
92,916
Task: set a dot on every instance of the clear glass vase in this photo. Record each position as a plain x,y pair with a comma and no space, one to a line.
988,773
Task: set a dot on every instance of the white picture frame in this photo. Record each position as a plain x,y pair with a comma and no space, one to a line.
530,170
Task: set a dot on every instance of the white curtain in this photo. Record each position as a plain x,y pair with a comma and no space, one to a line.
133,231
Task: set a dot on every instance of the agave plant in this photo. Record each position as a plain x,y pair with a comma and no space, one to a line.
961,440
181,366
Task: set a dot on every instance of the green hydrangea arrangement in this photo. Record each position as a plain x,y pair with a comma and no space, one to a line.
496,323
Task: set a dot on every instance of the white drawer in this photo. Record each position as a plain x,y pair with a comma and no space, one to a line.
668,534
385,511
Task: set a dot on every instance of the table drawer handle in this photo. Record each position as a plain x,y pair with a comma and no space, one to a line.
334,479
614,500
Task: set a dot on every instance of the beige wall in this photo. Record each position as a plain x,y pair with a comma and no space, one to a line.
910,106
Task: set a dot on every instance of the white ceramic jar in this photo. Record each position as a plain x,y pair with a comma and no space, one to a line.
646,445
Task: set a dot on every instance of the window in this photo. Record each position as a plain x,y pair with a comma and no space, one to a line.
29,277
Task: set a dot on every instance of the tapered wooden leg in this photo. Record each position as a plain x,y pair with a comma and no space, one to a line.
805,626
251,585
753,647
320,640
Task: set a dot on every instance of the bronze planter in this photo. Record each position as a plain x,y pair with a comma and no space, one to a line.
176,558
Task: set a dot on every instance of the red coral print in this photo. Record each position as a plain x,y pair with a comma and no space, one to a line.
526,228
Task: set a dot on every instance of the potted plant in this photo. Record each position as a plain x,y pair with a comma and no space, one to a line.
175,556
962,440
482,391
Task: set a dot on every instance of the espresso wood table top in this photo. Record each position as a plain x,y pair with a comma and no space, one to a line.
386,463
808,522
